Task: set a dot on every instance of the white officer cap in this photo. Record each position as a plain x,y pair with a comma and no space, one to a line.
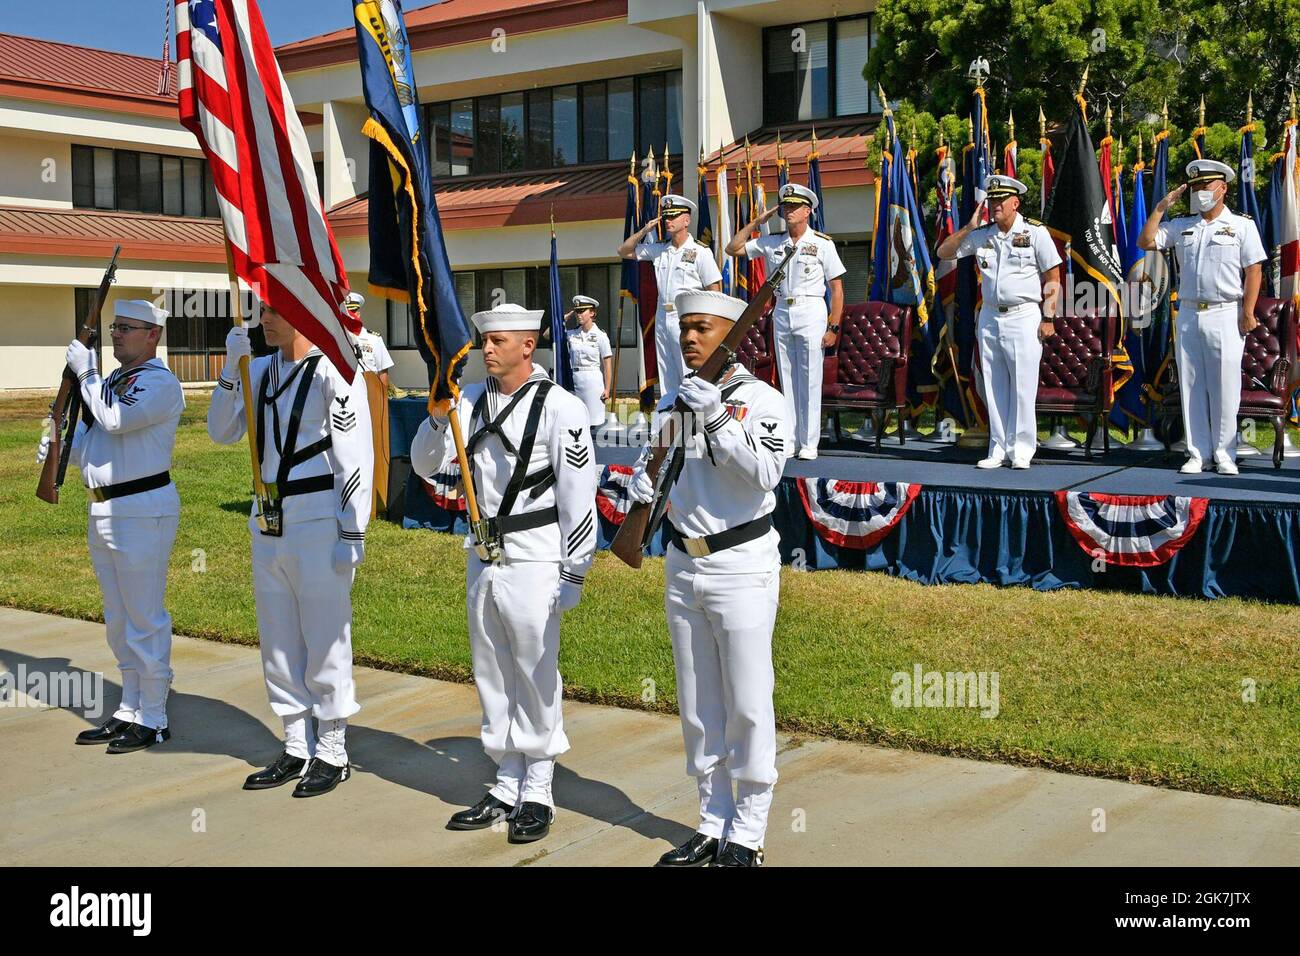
797,195
1207,171
995,187
674,205
584,302
709,303
509,318
141,310
354,302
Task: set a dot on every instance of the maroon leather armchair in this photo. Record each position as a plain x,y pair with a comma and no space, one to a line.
1265,373
755,352
867,370
1075,374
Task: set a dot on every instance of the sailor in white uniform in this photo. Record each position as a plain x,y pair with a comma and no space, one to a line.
1219,255
802,326
591,359
723,574
534,474
680,264
374,353
123,446
314,443
1020,273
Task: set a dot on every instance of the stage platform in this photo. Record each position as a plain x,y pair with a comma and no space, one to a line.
1123,521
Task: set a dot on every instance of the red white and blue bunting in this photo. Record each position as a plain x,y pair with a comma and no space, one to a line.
1137,531
444,488
855,514
612,499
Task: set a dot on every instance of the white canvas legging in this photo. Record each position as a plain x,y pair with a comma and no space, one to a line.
515,648
1209,349
721,629
1010,353
130,558
798,330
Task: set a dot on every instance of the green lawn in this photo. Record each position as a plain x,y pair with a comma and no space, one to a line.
1141,688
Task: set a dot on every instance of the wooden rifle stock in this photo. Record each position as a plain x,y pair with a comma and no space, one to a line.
635,531
65,409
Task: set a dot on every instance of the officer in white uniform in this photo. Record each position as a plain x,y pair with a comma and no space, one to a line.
314,443
590,358
1219,255
801,325
1017,261
681,264
123,446
534,474
723,574
374,353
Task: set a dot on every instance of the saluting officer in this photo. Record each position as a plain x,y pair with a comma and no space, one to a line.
1216,308
374,353
681,264
801,324
591,359
313,440
723,575
1017,260
123,447
534,473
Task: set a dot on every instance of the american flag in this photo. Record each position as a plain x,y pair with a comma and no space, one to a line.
233,98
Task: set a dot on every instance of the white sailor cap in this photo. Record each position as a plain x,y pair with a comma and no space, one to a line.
797,195
354,301
995,187
585,302
674,205
141,310
1208,171
705,301
509,318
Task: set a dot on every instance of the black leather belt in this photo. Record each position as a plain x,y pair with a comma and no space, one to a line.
713,543
537,519
133,487
299,486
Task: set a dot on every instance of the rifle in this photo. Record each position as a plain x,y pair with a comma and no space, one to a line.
667,454
66,407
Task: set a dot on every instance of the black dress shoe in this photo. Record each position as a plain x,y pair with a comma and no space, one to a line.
699,850
321,777
480,816
733,854
286,767
531,823
104,732
137,737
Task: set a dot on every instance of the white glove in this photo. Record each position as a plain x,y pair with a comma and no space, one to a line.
641,489
701,396
237,347
348,554
566,597
80,359
43,450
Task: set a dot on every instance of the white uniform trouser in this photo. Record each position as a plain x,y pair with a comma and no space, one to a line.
1210,346
799,330
130,557
1010,353
668,350
721,629
515,648
588,384
304,623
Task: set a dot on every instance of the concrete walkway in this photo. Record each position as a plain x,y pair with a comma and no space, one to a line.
622,793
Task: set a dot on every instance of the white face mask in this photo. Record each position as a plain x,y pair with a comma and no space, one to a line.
1203,200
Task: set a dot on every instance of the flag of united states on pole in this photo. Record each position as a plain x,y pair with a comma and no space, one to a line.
233,98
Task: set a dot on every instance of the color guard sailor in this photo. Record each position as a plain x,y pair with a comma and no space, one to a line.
591,359
314,444
723,575
1219,255
534,471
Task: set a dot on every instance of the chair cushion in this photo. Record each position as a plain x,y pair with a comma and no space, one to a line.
1065,396
849,392
1258,398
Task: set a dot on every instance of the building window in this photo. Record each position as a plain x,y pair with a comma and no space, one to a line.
462,137
813,70
129,181
856,257
564,126
620,124
595,126
540,130
401,327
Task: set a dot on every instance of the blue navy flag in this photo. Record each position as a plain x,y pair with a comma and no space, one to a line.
561,370
408,255
704,230
818,218
975,170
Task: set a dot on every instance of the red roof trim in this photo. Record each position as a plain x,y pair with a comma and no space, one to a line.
86,232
